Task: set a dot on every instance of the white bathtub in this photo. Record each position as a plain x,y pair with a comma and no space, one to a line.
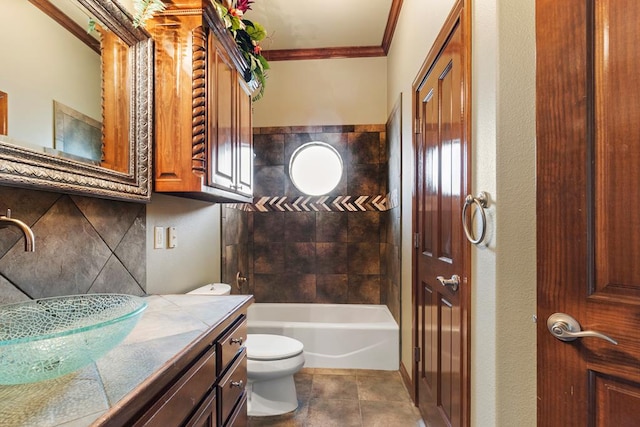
347,336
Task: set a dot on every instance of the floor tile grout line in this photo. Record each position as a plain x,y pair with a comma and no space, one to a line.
359,401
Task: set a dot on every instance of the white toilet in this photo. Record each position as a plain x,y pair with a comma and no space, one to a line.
271,362
212,289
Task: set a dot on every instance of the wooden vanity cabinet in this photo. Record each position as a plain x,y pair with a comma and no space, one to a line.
205,386
203,139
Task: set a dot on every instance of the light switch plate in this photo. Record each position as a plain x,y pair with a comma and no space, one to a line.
173,238
158,238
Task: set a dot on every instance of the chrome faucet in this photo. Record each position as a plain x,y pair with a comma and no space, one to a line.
29,238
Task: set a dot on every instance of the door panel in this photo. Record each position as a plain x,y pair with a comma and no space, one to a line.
429,339
588,158
441,183
221,124
617,403
617,77
448,367
245,139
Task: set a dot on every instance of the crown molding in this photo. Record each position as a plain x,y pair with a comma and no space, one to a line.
342,52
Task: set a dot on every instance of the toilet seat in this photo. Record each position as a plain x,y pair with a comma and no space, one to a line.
272,347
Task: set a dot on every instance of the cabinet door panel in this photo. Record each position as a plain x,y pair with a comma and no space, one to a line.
206,416
221,118
245,140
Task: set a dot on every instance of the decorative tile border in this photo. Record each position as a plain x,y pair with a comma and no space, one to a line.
378,203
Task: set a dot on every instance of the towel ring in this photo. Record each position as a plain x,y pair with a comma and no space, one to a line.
481,202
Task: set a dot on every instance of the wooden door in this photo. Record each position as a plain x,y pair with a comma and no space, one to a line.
441,314
588,238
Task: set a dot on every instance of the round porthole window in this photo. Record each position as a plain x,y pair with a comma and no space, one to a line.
315,168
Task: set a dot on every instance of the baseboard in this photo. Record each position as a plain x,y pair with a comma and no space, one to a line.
408,383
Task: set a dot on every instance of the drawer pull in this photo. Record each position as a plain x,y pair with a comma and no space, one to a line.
236,341
238,384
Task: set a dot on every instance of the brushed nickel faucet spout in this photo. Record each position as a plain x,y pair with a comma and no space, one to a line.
29,238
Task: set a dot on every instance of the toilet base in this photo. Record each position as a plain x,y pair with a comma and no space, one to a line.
271,397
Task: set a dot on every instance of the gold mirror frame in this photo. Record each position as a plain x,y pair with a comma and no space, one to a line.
23,167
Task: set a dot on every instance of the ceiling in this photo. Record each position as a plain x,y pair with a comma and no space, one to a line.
306,29
314,29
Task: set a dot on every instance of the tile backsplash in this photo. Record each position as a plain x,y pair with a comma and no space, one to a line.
83,245
317,250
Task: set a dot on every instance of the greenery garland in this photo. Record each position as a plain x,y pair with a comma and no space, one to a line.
247,34
145,9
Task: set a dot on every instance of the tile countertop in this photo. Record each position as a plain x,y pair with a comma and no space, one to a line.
168,325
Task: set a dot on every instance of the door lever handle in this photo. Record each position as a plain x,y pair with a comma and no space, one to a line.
452,283
566,328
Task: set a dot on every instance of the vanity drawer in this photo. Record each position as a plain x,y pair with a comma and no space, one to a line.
175,406
239,416
232,386
231,343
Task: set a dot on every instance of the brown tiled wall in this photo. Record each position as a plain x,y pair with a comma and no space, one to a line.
83,245
318,257
391,261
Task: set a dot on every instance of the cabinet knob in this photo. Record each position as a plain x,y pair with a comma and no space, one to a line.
238,384
236,341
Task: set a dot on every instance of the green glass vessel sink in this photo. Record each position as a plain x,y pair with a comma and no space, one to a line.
50,337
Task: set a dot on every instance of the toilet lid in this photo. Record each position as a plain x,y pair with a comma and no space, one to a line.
272,347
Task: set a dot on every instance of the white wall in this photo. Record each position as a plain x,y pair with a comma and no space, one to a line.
515,242
43,62
503,142
484,353
196,259
324,92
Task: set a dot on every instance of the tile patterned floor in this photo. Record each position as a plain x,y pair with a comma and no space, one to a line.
345,398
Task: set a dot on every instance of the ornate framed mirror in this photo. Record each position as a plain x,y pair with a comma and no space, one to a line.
39,148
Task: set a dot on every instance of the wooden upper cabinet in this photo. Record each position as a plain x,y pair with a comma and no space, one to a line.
203,137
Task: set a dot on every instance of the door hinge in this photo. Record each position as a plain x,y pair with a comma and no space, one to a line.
416,240
418,124
416,354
